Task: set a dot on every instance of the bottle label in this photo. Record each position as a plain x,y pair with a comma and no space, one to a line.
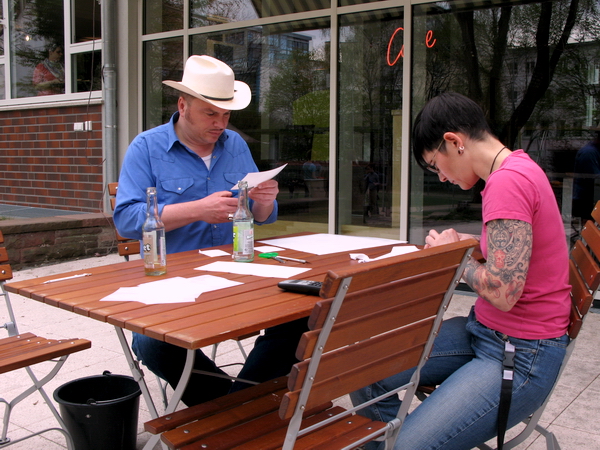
154,248
243,239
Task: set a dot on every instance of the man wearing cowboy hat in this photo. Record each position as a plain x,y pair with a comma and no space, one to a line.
194,161
587,174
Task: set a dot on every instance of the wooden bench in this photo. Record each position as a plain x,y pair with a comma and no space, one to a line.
22,350
376,319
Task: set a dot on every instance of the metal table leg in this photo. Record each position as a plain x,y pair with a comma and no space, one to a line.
138,375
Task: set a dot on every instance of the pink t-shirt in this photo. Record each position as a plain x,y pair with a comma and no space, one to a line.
520,190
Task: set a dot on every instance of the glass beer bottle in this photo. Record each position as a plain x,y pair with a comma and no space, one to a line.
153,231
243,227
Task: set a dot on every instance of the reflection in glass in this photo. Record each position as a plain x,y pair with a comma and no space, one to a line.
37,42
87,71
2,34
162,15
2,82
528,67
162,61
287,69
207,12
370,101
86,20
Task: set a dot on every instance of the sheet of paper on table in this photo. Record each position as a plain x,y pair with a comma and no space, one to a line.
259,270
324,244
170,290
400,250
255,178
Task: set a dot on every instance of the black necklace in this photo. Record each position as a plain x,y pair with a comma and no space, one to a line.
495,158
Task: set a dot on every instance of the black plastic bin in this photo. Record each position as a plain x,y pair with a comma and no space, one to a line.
100,412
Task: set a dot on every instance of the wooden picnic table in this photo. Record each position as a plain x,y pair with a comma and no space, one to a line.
214,316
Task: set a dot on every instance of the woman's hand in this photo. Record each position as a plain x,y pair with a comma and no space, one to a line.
445,237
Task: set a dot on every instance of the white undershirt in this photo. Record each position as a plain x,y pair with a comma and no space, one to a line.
206,160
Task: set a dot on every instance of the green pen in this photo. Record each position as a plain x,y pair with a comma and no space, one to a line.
276,257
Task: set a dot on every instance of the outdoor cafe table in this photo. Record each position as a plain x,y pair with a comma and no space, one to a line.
214,317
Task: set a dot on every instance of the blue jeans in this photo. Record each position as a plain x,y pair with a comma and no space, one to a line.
271,357
466,362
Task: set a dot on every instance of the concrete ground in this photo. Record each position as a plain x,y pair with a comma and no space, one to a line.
572,414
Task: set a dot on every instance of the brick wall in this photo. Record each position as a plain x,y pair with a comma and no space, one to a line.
45,163
47,240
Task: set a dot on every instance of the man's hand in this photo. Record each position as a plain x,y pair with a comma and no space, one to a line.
214,208
264,196
217,207
265,193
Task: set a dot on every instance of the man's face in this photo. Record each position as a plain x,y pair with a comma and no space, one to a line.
203,122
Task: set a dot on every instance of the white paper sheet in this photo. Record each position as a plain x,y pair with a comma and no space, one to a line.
267,249
255,178
213,253
170,290
401,250
324,244
259,270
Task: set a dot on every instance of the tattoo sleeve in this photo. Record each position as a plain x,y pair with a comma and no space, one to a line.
501,279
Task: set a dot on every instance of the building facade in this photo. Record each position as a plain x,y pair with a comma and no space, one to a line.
335,86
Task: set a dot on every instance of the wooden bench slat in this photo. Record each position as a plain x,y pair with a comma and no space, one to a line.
256,430
211,407
322,438
585,264
360,304
346,359
335,387
224,420
40,353
273,440
355,330
384,271
356,434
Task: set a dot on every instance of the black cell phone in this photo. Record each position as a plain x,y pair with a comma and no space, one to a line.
301,286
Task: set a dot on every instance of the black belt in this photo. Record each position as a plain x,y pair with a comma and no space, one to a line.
508,366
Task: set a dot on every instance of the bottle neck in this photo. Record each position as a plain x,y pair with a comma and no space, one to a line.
151,203
243,211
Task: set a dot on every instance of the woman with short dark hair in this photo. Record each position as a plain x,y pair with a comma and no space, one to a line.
522,287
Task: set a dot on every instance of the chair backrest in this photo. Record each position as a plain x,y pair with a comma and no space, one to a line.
584,272
378,319
125,246
5,275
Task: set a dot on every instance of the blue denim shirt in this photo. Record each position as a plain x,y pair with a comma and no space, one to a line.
157,158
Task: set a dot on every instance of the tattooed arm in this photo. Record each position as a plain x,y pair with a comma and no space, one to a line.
501,279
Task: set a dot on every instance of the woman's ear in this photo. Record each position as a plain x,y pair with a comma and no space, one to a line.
455,141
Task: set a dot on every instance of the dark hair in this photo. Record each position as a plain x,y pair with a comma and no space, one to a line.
446,112
53,45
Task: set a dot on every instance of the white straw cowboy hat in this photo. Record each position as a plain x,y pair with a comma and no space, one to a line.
213,81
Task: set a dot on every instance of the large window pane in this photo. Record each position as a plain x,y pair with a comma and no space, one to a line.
87,71
528,66
86,21
204,13
2,82
37,48
162,15
370,100
287,68
163,60
1,31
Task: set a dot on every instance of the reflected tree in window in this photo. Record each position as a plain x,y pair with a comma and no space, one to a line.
515,60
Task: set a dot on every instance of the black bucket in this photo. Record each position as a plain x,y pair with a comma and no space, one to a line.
100,412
